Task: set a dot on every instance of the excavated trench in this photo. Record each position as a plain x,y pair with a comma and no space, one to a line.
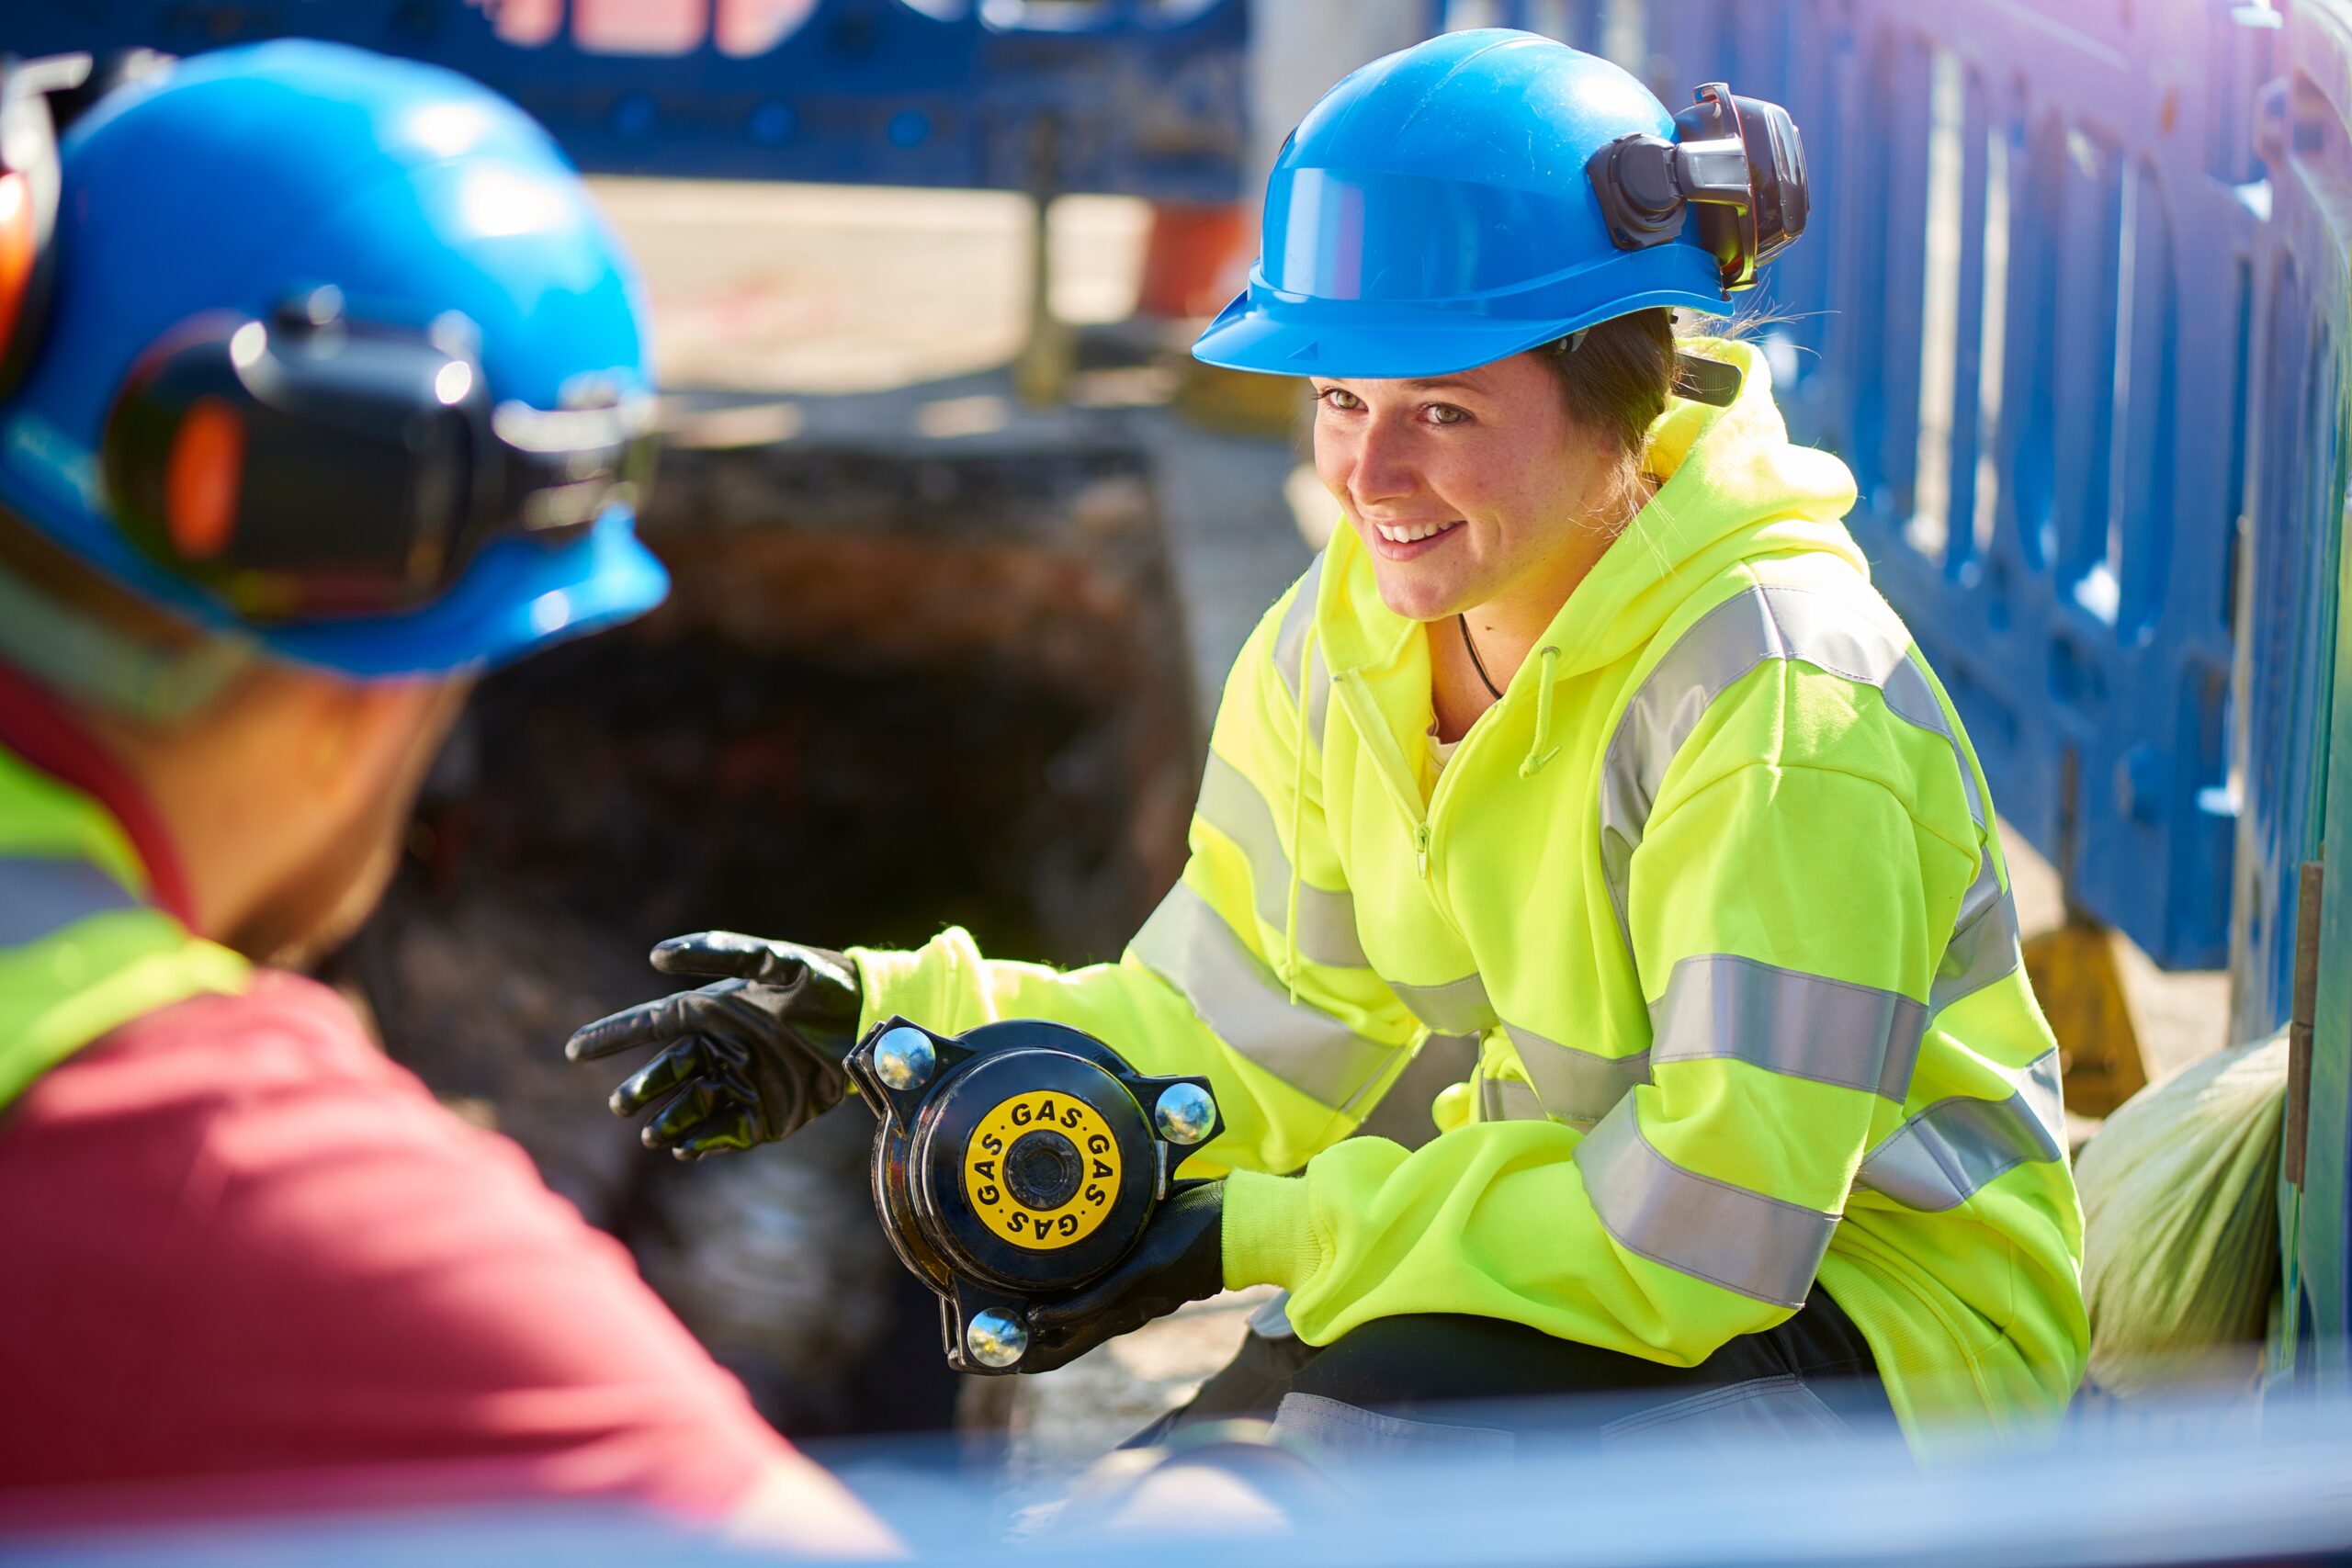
889,693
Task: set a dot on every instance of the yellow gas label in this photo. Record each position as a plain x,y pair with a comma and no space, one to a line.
1060,1151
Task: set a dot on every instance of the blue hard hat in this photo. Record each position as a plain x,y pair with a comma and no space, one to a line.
1432,213
238,178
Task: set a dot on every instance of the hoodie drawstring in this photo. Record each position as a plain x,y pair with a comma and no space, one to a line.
1538,753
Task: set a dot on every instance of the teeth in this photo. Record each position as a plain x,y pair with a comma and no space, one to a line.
1406,534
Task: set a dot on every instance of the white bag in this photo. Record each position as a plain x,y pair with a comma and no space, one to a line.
2180,1204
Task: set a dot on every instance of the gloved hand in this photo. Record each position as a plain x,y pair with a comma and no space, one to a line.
755,1057
1181,1258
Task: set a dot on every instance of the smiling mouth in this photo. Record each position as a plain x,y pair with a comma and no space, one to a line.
1408,532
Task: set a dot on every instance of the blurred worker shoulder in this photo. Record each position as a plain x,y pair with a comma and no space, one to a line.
322,390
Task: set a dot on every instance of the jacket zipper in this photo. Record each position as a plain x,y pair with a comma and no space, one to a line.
1390,765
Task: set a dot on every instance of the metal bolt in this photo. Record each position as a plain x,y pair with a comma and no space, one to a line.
903,1058
1185,1114
996,1338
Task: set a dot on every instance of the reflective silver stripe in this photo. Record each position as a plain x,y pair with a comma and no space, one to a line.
1188,944
1508,1099
1786,1021
41,895
1576,1085
1290,646
1458,1007
1983,948
1327,920
1298,619
1943,1155
1847,637
1743,1241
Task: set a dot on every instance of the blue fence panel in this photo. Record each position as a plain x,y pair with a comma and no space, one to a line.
2025,320
2297,498
1140,97
2292,562
2077,346
2299,697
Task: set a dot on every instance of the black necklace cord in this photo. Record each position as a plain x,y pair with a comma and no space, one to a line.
1475,662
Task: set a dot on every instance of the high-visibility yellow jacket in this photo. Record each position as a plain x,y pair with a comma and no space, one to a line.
1717,885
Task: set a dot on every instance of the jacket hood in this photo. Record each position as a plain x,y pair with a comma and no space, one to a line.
1733,488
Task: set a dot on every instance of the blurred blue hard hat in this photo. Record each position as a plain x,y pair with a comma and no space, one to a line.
236,181
1432,212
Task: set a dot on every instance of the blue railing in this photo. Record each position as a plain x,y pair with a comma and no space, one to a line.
2142,629
2301,711
1137,97
2078,315
2025,321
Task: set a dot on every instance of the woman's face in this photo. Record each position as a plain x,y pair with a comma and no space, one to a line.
1464,487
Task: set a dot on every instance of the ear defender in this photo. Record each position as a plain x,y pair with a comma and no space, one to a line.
1738,162
226,433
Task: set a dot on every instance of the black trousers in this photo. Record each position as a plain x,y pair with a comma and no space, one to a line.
1444,1366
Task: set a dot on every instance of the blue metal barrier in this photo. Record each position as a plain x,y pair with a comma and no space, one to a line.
2297,498
2033,351
2025,320
2299,720
1137,97
2079,314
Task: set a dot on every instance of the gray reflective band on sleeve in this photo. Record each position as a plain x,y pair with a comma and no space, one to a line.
1327,920
1786,1021
41,895
1188,944
1742,1241
1942,1156
1508,1099
1844,637
1458,1007
1983,948
1576,1085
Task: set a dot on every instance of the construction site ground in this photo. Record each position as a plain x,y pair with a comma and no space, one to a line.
813,313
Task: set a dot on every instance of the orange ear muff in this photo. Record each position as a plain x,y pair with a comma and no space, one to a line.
204,476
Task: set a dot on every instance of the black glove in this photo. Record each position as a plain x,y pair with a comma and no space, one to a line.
755,1057
1181,1258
